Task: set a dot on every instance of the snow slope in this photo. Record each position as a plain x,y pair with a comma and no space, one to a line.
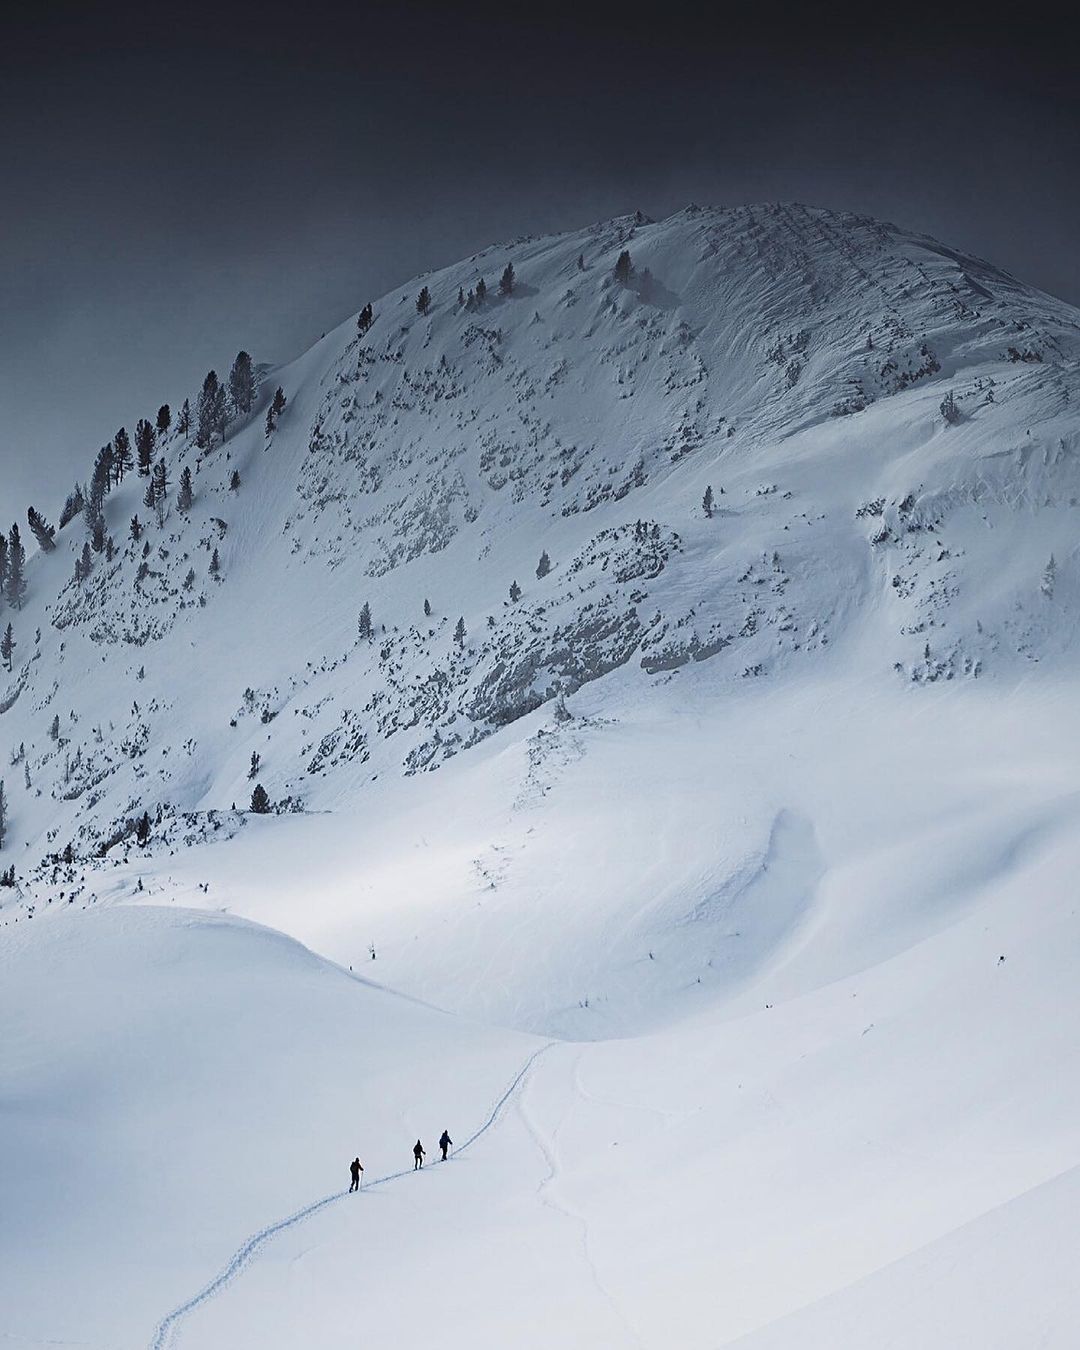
736,813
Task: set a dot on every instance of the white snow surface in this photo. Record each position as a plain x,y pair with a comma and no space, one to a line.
718,894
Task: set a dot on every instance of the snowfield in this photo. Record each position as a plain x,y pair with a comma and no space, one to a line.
716,892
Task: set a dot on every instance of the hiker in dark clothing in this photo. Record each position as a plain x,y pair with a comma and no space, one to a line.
355,1167
418,1155
444,1143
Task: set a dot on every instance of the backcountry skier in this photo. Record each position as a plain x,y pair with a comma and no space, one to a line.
356,1168
418,1155
444,1143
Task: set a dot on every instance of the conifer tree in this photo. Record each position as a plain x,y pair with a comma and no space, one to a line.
260,802
365,318
142,829
242,384
43,532
707,502
211,411
215,565
15,587
234,481
121,454
135,528
145,445
460,296
100,481
581,262
186,495
183,422
427,609
7,646
506,281
3,565
481,291
423,300
363,624
3,813
543,567
459,632
164,419
72,506
86,562
515,592
276,408
160,484
623,267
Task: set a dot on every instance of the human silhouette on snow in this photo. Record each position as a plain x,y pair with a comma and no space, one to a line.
418,1155
444,1143
355,1167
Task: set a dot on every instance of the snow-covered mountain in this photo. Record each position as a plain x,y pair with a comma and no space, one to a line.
716,722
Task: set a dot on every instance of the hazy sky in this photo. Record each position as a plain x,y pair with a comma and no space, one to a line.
182,182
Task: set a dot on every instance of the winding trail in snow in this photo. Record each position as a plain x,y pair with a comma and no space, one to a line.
166,1331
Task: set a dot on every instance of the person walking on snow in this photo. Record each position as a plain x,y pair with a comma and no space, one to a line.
356,1167
418,1155
444,1143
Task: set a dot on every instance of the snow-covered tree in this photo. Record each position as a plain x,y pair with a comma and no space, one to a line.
183,422
215,565
363,624
256,760
145,445
142,829
423,300
42,531
427,609
506,281
260,801
7,646
3,813
515,592
15,586
481,291
365,318
276,408
121,454
950,409
160,484
135,528
459,632
73,505
210,415
186,495
242,384
543,567
234,481
707,502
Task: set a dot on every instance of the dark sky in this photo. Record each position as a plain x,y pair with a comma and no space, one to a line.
178,183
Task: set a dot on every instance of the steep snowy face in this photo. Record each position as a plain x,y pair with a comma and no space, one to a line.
770,439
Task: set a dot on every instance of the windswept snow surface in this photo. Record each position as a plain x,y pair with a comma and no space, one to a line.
719,890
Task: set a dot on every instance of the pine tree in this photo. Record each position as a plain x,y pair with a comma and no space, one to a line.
142,829
707,502
164,419
149,497
365,318
7,646
256,760
623,267
160,484
97,535
43,532
183,422
210,412
135,528
506,281
215,565
100,481
481,291
186,495
145,445
581,262
234,481
427,609
276,408
260,802
3,813
423,300
86,561
950,409
460,296
54,728
121,454
242,384
459,632
3,566
363,624
16,562
72,506
543,567
515,592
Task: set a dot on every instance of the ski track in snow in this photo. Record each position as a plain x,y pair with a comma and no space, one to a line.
167,1330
